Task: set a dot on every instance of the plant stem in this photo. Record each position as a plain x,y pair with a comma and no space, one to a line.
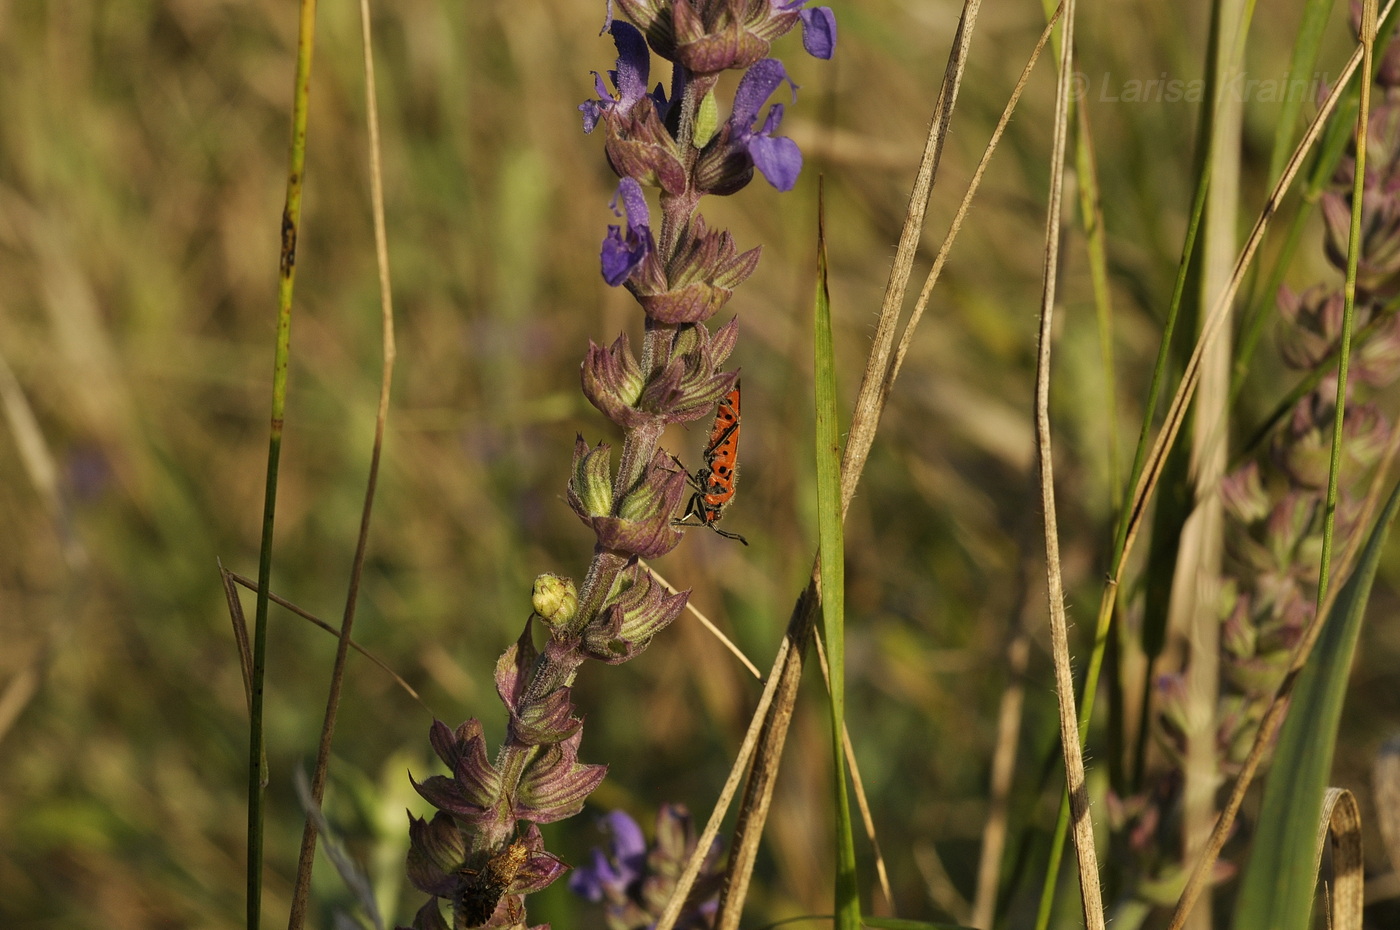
291,219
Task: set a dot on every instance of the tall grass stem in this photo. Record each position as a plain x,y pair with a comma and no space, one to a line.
291,220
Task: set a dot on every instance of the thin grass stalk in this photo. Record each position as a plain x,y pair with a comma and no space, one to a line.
1216,841
1059,631
307,856
291,222
1348,303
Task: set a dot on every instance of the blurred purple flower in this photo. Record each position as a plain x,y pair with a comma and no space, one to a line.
635,880
612,873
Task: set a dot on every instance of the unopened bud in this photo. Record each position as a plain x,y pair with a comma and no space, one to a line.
555,599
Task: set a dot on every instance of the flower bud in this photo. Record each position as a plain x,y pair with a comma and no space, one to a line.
1304,449
1313,325
436,851
474,785
690,384
1243,494
554,599
1377,361
640,146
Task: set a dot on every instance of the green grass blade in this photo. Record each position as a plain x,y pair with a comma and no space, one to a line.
291,221
1277,888
832,547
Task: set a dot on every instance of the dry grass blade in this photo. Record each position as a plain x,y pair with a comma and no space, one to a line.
772,733
873,390
1341,824
686,881
240,626
252,585
1082,827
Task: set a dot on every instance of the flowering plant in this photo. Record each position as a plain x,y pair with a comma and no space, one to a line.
473,853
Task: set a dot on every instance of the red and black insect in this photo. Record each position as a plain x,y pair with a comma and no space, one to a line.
715,482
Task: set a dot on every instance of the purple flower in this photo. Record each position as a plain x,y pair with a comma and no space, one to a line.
727,162
635,880
818,29
638,143
778,157
629,77
613,873
622,254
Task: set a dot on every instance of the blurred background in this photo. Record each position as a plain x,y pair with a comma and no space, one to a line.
143,152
